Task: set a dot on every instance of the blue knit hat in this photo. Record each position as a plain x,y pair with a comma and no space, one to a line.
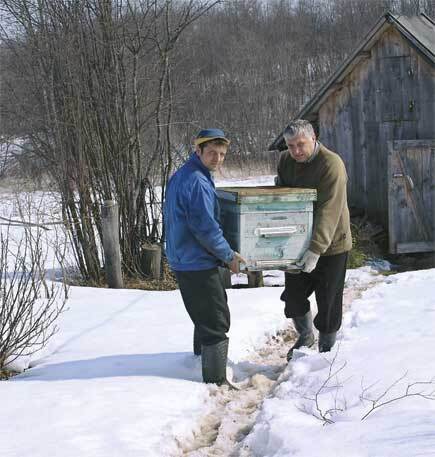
209,135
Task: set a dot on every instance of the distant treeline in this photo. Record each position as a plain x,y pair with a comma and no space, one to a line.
249,66
246,65
106,95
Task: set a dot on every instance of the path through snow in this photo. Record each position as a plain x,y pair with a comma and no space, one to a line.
221,433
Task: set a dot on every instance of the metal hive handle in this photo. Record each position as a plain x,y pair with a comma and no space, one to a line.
267,232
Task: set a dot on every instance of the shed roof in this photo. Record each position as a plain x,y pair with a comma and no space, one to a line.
418,30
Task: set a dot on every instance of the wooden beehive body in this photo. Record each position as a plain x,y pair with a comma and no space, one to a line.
269,226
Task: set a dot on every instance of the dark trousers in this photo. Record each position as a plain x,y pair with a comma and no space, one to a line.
205,299
327,282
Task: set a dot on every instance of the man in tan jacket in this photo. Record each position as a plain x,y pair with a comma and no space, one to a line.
307,163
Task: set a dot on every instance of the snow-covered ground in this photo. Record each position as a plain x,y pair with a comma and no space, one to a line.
350,402
119,378
41,213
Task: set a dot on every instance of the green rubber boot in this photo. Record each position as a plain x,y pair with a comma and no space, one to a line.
214,362
326,341
304,326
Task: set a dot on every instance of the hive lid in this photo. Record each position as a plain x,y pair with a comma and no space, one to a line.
266,193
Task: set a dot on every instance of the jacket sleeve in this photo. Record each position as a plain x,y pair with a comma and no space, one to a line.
331,199
203,224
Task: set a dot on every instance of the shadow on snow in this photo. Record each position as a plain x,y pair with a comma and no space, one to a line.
177,365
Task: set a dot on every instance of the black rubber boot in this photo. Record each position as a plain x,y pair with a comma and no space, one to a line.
214,362
304,326
326,341
196,342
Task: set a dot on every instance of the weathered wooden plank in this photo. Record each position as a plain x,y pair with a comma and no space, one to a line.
417,246
374,149
409,91
344,137
392,226
368,113
357,186
426,87
386,130
423,159
413,194
414,144
399,89
392,88
399,213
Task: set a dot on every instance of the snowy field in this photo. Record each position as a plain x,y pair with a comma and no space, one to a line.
41,212
119,378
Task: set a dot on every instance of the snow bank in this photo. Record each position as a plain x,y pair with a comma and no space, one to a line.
385,347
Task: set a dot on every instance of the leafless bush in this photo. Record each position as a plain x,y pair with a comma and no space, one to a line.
422,389
331,382
414,389
108,92
29,304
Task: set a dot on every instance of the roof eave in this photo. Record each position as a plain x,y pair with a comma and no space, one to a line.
427,53
347,66
360,54
336,77
310,110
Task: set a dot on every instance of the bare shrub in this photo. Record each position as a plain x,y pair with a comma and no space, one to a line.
422,389
413,389
29,304
102,122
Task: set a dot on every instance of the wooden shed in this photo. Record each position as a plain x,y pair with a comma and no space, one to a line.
378,112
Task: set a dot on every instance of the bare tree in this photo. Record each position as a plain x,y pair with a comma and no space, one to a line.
110,93
103,71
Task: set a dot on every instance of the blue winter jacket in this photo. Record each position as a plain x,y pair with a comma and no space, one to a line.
194,238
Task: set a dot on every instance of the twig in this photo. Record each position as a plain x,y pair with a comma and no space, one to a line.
322,414
17,223
376,404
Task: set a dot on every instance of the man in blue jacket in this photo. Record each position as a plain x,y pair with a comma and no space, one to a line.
195,247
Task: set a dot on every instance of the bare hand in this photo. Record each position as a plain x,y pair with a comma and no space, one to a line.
234,265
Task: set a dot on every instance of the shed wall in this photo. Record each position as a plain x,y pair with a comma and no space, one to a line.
390,95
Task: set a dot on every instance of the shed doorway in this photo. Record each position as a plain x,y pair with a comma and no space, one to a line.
411,196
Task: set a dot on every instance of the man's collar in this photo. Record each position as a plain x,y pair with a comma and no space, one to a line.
197,161
315,152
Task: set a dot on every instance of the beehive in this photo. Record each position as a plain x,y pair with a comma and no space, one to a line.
269,226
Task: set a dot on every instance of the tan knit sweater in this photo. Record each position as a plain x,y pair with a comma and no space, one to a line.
327,174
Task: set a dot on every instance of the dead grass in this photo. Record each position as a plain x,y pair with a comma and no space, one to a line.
7,374
167,282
